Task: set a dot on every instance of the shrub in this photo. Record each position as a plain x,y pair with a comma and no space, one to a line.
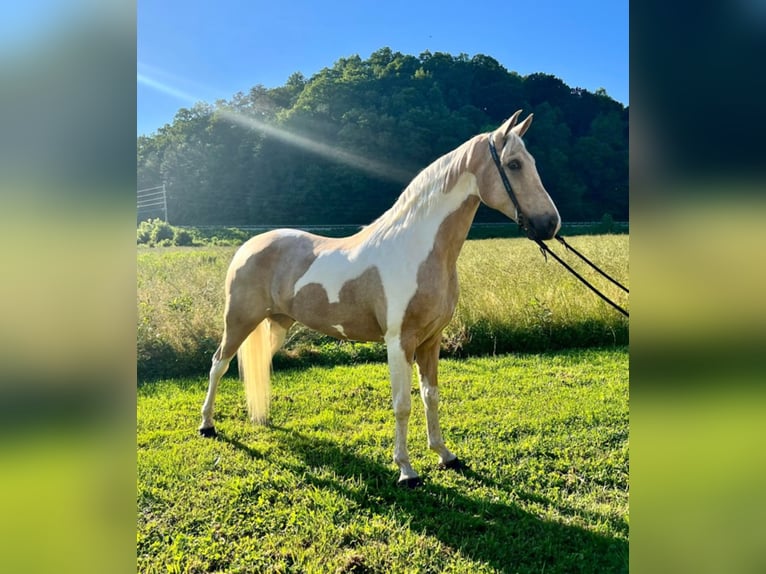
144,232
161,230
182,237
158,233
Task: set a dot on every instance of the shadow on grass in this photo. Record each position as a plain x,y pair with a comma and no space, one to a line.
503,536
582,336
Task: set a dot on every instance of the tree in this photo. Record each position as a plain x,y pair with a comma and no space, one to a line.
223,163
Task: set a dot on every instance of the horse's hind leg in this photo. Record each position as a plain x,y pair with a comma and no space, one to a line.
233,336
217,370
280,324
427,357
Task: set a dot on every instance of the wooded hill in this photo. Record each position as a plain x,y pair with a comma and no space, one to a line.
339,147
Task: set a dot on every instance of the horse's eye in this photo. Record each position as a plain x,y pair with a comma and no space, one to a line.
514,164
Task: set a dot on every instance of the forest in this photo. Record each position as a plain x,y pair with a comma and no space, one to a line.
340,146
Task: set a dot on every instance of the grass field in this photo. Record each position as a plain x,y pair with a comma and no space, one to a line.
545,437
512,300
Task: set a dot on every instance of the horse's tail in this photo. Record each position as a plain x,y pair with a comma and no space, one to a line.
254,357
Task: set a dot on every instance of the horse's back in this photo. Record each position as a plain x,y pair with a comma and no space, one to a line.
276,248
295,273
267,265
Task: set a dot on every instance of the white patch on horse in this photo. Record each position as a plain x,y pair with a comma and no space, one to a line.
398,258
340,330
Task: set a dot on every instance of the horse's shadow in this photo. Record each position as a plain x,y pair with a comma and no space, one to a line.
504,536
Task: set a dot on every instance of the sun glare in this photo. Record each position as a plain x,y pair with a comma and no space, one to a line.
165,89
365,164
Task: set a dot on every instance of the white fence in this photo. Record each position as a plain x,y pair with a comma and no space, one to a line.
152,200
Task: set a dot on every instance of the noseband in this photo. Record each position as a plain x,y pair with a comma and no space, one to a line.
520,219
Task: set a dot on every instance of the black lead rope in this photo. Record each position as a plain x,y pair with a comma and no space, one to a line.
593,265
543,247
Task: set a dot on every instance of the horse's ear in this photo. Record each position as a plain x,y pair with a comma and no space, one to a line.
508,125
521,129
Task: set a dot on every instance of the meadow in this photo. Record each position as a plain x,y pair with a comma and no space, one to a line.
512,300
545,437
534,399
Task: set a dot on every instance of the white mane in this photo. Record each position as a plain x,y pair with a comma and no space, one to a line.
416,201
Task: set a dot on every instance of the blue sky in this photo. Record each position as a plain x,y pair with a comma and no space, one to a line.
202,51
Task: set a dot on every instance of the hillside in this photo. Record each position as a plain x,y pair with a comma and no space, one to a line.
339,147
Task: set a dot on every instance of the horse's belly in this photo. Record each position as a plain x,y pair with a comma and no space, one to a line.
353,329
358,314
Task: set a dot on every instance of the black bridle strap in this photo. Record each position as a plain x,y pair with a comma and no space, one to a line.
520,220
546,249
593,265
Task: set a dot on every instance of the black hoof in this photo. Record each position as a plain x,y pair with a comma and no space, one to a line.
209,432
413,482
454,464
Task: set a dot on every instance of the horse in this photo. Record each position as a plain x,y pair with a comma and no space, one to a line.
394,281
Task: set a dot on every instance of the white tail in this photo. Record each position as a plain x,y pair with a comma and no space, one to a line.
254,357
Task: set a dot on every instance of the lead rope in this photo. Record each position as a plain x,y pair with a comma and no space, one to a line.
593,265
544,248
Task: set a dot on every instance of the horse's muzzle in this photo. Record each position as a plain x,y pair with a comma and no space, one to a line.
543,226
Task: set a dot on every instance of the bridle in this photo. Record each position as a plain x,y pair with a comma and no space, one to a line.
521,221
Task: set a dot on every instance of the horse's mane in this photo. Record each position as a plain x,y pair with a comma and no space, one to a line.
424,190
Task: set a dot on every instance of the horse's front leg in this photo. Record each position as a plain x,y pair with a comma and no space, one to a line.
400,368
427,356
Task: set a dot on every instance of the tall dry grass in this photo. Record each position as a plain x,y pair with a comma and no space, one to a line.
180,309
511,299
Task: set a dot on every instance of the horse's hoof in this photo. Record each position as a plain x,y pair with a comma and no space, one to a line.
454,464
208,432
413,482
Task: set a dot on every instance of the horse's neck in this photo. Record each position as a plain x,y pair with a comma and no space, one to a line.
434,199
454,231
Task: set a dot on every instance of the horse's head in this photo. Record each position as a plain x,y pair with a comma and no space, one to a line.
524,199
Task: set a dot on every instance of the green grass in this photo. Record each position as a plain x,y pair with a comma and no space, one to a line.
512,300
545,437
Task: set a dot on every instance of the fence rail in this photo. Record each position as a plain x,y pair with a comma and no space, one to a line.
151,200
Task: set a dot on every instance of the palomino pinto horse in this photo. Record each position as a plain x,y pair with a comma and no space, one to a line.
394,281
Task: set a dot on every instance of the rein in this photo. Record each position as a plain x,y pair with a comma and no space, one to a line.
545,249
520,219
521,222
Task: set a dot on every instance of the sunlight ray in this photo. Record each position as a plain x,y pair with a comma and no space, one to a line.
365,164
166,89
